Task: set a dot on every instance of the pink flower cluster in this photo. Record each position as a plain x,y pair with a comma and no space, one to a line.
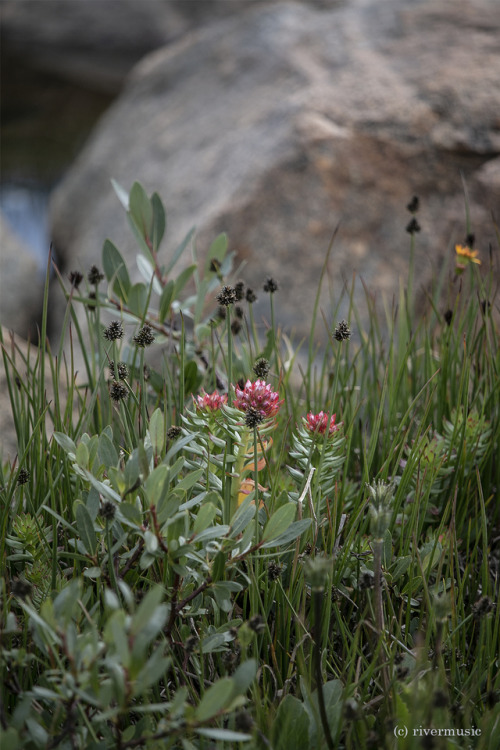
210,402
259,396
318,423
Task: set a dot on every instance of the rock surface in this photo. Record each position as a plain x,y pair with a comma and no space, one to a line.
21,286
281,123
95,43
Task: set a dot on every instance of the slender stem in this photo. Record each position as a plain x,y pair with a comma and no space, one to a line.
318,600
229,356
256,481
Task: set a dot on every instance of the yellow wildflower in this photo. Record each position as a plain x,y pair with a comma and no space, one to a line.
466,255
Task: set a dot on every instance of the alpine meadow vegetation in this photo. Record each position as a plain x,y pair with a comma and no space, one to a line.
223,539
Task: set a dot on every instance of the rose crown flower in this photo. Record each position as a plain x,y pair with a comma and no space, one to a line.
210,402
319,423
258,396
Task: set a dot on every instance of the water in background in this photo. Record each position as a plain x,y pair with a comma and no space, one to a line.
26,209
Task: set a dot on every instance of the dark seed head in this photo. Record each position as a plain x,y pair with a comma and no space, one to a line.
23,476
482,607
342,331
114,331
235,327
448,316
226,296
257,624
144,337
250,296
243,721
273,571
94,276
21,588
413,205
117,391
253,417
75,278
413,226
239,288
174,432
121,369
107,510
261,368
270,285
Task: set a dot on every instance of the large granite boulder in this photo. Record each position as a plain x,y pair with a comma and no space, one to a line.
96,43
278,124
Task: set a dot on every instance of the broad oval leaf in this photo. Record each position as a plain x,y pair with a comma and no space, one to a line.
279,522
85,528
215,699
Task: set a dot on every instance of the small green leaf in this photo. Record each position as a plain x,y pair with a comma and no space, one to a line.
183,279
121,193
130,513
190,479
146,608
192,378
85,528
401,565
82,456
159,221
279,522
108,455
138,299
65,442
242,517
206,515
294,530
219,566
215,699
216,251
157,431
152,671
290,730
166,298
115,270
244,676
177,254
141,211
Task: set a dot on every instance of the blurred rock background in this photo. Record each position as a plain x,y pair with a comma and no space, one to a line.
273,121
